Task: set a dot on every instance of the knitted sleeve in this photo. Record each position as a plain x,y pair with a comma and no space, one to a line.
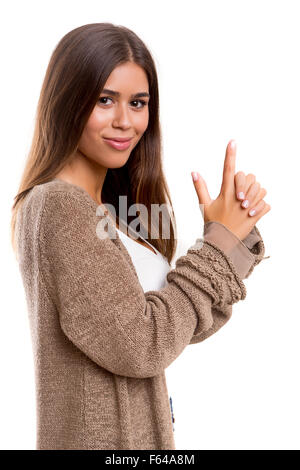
245,255
101,305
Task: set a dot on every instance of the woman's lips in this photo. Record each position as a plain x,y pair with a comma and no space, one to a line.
118,145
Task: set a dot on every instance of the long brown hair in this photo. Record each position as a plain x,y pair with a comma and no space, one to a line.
76,74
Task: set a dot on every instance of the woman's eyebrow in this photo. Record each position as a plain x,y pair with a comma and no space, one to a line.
116,93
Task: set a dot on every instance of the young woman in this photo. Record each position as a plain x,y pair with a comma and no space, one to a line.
107,313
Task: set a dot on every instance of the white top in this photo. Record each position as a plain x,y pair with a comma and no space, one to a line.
151,268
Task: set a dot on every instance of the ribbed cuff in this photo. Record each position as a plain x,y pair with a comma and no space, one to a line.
233,247
252,238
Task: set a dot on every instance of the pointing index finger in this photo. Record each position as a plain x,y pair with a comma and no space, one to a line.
229,166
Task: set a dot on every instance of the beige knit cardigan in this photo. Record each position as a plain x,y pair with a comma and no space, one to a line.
100,343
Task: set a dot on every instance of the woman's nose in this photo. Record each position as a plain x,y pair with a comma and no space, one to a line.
122,118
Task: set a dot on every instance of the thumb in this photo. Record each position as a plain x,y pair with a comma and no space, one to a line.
201,188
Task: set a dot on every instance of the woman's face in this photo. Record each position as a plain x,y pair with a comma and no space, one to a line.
124,115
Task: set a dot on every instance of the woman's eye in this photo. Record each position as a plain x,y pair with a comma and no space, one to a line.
142,102
104,98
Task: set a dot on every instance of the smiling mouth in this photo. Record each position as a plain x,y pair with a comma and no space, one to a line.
119,139
124,145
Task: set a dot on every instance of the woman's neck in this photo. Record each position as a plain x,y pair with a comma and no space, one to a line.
85,173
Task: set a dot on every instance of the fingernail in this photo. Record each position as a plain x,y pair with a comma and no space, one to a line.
195,176
241,195
252,212
245,203
232,144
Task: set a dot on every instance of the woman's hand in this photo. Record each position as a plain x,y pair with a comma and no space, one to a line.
227,208
250,192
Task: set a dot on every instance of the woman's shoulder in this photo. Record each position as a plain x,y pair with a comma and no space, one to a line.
57,195
58,217
57,189
54,203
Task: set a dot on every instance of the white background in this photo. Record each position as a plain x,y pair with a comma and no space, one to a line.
227,69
